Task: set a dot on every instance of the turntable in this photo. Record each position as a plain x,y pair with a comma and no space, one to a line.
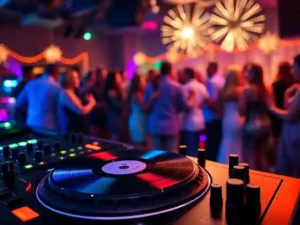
93,181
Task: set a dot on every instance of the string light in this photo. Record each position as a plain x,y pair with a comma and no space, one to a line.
185,29
236,23
139,58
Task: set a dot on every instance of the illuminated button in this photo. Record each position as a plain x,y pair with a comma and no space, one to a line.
95,143
29,166
53,154
33,141
22,144
41,163
72,155
92,147
72,150
79,148
13,146
25,213
63,152
61,158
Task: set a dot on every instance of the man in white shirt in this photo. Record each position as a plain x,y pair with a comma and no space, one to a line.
193,123
213,120
40,97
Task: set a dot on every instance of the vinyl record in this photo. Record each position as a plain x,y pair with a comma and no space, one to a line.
134,181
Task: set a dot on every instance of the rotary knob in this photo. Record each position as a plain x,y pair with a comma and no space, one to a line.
182,149
239,172
15,153
6,151
7,169
233,161
22,158
46,148
216,199
40,144
29,148
253,206
201,157
38,155
234,201
247,176
56,146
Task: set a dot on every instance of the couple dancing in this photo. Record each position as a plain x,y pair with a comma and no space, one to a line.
246,125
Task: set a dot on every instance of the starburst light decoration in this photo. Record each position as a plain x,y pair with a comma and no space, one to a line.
185,29
139,58
3,53
268,43
53,54
236,23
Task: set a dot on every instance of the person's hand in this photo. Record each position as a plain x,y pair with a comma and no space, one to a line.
90,98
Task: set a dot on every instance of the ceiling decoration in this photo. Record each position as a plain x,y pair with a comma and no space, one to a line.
236,24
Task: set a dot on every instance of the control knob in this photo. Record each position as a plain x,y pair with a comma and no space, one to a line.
38,155
6,151
15,153
22,158
7,169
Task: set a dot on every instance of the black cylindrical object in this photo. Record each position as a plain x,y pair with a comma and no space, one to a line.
40,144
7,169
46,148
216,200
56,146
38,155
6,151
247,176
22,158
201,157
29,147
253,205
14,153
239,173
233,161
182,149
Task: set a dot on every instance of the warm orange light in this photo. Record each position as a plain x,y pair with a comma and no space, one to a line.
93,147
25,213
95,143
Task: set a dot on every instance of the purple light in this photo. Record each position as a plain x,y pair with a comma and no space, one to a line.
202,138
150,25
130,69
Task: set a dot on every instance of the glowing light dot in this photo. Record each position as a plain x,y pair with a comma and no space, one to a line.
139,58
87,36
187,33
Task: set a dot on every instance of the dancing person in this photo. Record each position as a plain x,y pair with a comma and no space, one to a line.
193,120
213,119
72,113
39,98
232,122
115,103
98,117
287,162
257,126
137,118
163,121
284,81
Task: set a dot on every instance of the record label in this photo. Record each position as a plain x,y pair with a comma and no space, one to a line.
124,167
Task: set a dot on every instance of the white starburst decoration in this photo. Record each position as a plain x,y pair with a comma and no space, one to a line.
3,53
185,29
268,43
236,23
53,54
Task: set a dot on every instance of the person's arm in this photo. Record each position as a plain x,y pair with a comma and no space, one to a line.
72,102
22,100
185,104
146,106
292,113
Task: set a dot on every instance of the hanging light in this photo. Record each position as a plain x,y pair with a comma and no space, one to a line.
139,58
53,54
268,43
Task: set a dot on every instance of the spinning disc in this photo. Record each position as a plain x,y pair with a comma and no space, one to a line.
123,184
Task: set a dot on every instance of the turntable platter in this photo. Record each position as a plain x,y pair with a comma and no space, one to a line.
123,184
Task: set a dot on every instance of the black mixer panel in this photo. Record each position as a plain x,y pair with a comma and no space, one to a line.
26,155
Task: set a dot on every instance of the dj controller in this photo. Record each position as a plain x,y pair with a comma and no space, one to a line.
60,179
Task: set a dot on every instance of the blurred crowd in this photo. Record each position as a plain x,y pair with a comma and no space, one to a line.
236,111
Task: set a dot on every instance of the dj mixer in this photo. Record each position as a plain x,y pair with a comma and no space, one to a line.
75,179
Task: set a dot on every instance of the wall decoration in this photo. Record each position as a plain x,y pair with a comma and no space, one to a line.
3,53
268,43
236,23
185,29
51,54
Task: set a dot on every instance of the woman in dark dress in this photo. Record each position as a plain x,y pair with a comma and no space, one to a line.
257,126
114,103
284,80
71,112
